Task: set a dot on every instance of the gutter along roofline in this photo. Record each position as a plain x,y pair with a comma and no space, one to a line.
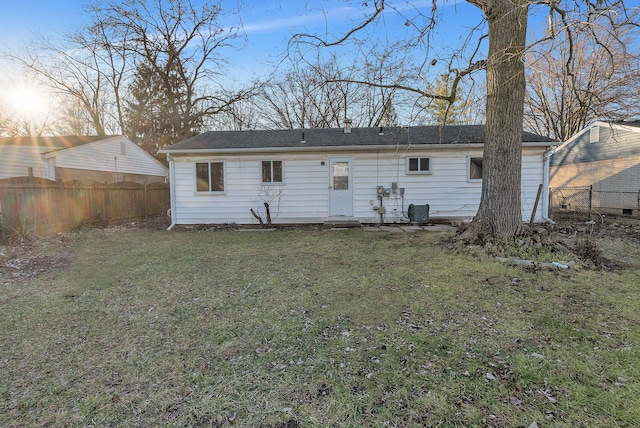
359,148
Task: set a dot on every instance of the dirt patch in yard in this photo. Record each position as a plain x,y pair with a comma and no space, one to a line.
28,260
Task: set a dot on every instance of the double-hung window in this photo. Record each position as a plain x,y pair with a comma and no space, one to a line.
419,165
272,171
210,177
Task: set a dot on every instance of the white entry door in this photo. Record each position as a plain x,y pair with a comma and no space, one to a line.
341,186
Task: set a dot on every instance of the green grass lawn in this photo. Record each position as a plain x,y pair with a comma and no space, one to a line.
306,328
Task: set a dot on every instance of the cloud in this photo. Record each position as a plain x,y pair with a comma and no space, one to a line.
335,16
297,21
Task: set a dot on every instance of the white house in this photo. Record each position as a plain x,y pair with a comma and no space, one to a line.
104,159
369,175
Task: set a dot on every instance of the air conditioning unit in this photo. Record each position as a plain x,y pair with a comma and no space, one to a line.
418,213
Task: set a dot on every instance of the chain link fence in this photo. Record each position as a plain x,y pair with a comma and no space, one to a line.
582,202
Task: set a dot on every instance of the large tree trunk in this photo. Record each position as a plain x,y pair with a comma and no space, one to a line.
499,213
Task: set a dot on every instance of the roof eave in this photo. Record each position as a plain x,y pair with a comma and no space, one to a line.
303,148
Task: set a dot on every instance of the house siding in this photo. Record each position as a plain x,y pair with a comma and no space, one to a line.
100,160
610,164
15,161
106,155
614,143
305,191
619,175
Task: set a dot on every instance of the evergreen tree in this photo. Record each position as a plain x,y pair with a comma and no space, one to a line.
153,115
441,111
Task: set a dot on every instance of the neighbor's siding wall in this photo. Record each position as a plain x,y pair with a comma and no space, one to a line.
619,175
107,155
614,143
16,160
305,192
610,164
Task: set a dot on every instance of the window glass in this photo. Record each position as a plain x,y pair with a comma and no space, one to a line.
266,171
217,176
418,165
475,168
210,177
202,177
272,171
341,176
424,164
277,171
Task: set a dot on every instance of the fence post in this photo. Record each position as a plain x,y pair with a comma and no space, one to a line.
590,200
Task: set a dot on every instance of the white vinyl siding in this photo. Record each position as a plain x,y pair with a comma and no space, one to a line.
303,197
15,161
105,155
305,194
102,156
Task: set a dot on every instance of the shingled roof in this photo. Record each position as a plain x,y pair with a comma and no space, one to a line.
633,123
336,137
51,143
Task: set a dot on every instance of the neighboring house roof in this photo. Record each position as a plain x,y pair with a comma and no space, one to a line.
622,140
337,137
632,123
52,143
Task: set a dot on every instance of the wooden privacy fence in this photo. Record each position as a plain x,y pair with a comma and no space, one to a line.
44,207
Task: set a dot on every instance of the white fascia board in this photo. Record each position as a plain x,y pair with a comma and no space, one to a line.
575,137
339,148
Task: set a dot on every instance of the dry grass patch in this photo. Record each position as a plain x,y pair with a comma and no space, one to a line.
313,328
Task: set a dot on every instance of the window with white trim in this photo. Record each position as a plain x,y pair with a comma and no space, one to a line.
594,134
210,177
418,165
475,168
272,171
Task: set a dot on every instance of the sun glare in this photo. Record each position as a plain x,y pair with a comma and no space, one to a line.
27,101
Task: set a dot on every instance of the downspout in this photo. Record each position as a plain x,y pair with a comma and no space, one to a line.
545,185
172,191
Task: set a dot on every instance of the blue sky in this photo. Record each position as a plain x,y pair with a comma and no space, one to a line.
267,24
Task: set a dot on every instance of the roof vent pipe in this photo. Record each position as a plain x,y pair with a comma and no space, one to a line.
381,131
302,141
347,126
